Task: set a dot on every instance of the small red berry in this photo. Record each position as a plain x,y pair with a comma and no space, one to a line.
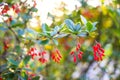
74,59
102,50
72,52
79,56
98,45
78,45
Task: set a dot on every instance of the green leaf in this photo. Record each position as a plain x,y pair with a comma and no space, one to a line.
89,26
77,27
93,29
108,50
16,23
94,24
83,34
24,75
45,28
27,69
55,41
55,31
31,31
18,49
9,76
34,9
69,24
36,78
57,28
13,62
43,42
61,35
3,67
83,19
26,59
14,1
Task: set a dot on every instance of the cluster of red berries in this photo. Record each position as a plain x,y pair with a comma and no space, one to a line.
56,56
98,52
4,8
33,52
79,53
16,8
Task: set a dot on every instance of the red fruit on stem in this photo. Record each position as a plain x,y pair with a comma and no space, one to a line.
72,52
74,59
81,52
79,56
43,52
98,52
59,55
102,50
39,53
78,45
77,49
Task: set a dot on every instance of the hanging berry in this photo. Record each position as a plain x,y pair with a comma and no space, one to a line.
74,58
56,55
98,52
80,55
76,53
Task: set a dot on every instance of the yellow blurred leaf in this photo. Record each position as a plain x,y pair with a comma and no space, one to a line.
21,64
107,23
108,50
104,9
93,34
48,47
43,38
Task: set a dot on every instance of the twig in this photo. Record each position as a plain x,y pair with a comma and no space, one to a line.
14,34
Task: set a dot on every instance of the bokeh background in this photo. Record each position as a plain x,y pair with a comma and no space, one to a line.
54,12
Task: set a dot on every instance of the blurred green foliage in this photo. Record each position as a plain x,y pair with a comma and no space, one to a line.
14,61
